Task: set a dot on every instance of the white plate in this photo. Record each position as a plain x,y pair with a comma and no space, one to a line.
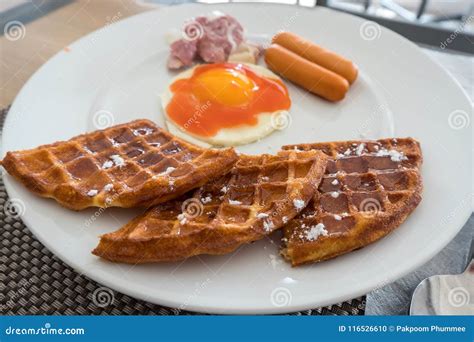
121,70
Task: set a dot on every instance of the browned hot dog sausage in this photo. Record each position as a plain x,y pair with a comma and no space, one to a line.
306,74
317,54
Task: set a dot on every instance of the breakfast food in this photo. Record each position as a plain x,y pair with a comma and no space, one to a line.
246,53
317,54
328,199
224,104
306,74
127,165
260,195
213,38
369,189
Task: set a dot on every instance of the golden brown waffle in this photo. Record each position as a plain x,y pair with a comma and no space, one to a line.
128,165
369,189
258,196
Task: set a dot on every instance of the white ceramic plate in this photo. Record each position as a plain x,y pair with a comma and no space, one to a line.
117,73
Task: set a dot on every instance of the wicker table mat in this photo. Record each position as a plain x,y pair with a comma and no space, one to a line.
35,282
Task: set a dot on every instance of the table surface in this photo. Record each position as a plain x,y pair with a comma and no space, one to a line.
51,33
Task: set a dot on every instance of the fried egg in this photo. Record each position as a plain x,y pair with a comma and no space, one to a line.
224,104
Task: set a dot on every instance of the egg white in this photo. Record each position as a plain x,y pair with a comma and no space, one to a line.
240,135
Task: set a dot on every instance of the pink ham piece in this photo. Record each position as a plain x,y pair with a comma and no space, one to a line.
211,39
183,53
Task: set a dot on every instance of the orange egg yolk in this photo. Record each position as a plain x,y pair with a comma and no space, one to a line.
224,95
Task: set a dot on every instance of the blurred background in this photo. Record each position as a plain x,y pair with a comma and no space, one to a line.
37,29
404,16
442,13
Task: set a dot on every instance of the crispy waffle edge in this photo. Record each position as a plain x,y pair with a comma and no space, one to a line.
118,247
360,236
148,195
366,231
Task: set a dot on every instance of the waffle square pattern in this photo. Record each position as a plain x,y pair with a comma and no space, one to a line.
128,165
369,188
260,195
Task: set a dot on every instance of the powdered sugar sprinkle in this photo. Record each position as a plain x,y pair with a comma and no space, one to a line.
299,204
92,193
316,231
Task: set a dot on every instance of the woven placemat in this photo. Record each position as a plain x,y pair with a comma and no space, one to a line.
35,282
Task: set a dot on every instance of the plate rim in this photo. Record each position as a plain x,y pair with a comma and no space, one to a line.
459,220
